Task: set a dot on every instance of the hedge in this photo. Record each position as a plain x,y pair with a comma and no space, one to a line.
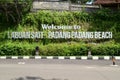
63,49
106,50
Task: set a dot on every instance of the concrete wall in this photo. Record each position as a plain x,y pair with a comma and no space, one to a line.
37,5
51,5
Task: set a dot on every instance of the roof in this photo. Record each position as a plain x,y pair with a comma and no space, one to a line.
107,2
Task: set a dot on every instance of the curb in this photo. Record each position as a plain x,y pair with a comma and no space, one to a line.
61,57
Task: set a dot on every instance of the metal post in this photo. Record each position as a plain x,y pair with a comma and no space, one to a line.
113,60
89,54
36,50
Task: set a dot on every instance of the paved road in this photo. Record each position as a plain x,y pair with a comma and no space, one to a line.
58,70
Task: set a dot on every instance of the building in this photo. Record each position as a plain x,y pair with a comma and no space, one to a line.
113,4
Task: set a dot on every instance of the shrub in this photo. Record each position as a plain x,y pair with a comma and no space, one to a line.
15,49
106,50
56,18
63,49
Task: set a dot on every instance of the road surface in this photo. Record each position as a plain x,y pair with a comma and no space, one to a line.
45,69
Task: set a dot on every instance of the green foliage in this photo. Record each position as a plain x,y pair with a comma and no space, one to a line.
56,18
16,49
102,20
109,49
63,49
13,10
105,19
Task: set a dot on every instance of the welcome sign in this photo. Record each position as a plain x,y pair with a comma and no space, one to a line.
58,32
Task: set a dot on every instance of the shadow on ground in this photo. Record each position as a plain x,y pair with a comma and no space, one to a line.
35,78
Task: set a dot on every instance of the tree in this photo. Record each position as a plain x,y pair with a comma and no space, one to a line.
13,10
